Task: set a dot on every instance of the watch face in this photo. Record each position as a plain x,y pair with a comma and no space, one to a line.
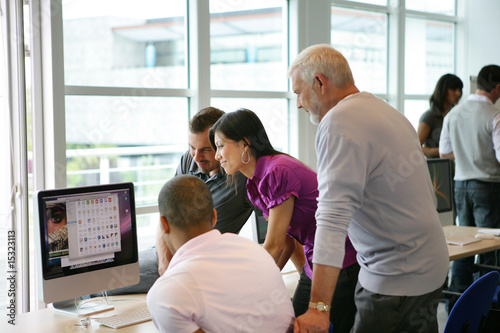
321,307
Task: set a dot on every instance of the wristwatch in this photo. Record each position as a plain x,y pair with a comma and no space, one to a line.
320,306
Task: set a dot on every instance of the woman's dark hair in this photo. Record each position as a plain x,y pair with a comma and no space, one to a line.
243,124
445,82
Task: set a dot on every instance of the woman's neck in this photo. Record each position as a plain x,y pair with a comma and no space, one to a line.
249,169
446,108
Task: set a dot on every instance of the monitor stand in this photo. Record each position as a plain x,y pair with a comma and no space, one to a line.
78,307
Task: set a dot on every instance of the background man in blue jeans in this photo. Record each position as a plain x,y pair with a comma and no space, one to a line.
471,136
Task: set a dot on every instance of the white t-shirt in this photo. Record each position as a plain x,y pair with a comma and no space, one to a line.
221,283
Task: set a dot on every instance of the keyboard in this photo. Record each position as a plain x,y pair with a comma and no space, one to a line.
130,317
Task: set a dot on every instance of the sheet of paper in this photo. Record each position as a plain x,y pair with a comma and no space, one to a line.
495,232
461,240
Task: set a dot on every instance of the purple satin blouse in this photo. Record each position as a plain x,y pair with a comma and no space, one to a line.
277,177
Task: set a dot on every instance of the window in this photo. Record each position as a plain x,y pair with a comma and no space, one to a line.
445,7
368,34
272,112
248,45
430,53
361,36
117,43
5,171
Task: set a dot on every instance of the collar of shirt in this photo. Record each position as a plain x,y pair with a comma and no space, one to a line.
195,171
191,245
479,98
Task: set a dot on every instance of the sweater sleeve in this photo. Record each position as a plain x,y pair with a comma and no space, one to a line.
341,182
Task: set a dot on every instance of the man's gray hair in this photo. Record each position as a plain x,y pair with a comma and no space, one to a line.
185,201
322,59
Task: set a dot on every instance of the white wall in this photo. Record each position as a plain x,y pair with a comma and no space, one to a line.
482,25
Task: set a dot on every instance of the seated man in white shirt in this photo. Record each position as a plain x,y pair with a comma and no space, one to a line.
215,282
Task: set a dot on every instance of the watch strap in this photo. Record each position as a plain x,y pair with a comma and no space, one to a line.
320,306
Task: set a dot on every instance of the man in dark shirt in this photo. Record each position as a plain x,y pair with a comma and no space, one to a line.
230,200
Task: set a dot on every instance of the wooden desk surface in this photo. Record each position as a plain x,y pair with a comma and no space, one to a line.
463,251
50,321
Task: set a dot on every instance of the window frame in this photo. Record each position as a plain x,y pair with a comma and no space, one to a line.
397,15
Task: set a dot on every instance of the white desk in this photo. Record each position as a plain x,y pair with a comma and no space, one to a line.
50,321
463,251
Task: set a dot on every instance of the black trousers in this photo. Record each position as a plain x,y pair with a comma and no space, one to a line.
343,308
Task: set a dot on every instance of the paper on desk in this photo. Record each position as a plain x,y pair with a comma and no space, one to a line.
461,240
495,232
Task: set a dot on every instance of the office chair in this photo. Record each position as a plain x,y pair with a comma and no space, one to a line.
474,268
472,307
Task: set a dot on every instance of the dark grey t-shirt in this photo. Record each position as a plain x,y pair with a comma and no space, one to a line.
434,119
230,201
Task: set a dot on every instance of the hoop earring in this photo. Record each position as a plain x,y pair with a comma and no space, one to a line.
249,157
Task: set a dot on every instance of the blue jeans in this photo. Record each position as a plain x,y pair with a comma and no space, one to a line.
478,205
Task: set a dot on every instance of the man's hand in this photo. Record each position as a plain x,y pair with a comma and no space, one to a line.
162,251
313,321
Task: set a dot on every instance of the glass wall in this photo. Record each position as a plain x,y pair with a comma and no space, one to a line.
429,54
125,43
362,37
362,32
248,45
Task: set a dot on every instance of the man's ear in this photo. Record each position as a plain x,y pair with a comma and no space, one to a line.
497,88
164,225
320,80
214,219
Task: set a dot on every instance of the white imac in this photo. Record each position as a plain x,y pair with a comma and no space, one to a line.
86,244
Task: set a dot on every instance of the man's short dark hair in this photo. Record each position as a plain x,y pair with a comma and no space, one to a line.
488,78
204,118
185,201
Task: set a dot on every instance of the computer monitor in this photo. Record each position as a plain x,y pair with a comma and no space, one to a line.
260,226
87,243
441,177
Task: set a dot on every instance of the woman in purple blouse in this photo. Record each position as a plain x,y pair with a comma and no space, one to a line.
285,190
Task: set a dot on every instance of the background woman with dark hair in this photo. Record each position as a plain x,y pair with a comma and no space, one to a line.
286,191
447,93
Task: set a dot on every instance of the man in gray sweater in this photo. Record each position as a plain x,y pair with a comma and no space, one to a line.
374,184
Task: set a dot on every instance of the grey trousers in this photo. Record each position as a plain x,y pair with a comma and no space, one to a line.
399,314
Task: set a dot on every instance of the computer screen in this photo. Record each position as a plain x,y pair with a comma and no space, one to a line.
260,226
87,240
441,177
